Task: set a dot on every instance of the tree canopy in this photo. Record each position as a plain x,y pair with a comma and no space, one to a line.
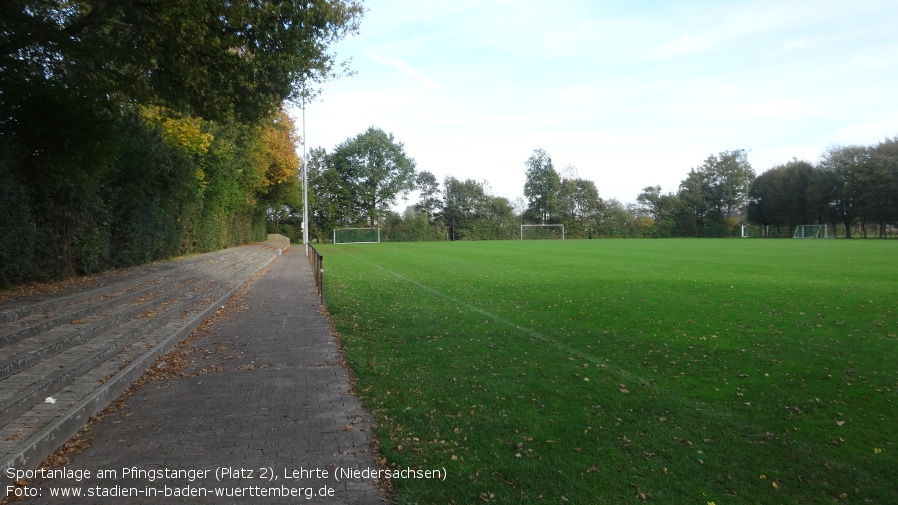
360,179
134,130
471,213
375,170
200,57
541,187
429,190
791,194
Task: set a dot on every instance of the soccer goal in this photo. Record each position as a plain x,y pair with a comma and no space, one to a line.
542,231
755,231
357,235
811,231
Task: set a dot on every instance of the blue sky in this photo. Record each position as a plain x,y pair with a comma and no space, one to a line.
630,93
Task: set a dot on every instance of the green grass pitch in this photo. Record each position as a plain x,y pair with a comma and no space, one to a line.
670,371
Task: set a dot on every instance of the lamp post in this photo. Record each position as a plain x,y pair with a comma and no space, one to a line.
305,181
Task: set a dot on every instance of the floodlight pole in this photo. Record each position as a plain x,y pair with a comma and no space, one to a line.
305,179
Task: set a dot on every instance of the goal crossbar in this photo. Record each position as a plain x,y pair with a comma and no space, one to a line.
811,231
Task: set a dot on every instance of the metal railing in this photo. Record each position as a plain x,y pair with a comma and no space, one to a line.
316,260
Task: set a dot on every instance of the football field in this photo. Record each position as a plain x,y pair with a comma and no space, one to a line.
611,371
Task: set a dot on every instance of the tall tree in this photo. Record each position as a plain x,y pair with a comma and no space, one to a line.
579,206
617,221
277,167
842,165
662,209
541,187
728,177
471,213
429,200
375,169
692,213
789,194
879,180
461,204
715,194
334,203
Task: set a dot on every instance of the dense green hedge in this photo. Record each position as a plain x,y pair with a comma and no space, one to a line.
134,131
107,191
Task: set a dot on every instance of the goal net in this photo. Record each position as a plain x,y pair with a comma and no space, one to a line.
811,231
542,231
755,231
356,235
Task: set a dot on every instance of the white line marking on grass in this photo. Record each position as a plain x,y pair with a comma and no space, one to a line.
723,414
624,374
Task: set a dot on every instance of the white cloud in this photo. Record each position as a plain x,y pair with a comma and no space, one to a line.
404,67
686,44
793,44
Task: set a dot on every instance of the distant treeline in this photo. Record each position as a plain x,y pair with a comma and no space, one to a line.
852,186
852,189
134,131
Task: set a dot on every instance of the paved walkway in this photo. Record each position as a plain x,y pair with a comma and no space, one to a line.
259,410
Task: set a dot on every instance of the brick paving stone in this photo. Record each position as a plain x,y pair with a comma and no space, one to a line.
276,402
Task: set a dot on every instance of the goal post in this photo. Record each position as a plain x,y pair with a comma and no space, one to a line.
811,231
356,235
755,231
542,231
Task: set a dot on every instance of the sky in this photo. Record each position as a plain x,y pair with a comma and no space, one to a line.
625,93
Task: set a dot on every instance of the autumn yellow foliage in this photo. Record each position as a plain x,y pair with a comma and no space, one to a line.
182,132
278,161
